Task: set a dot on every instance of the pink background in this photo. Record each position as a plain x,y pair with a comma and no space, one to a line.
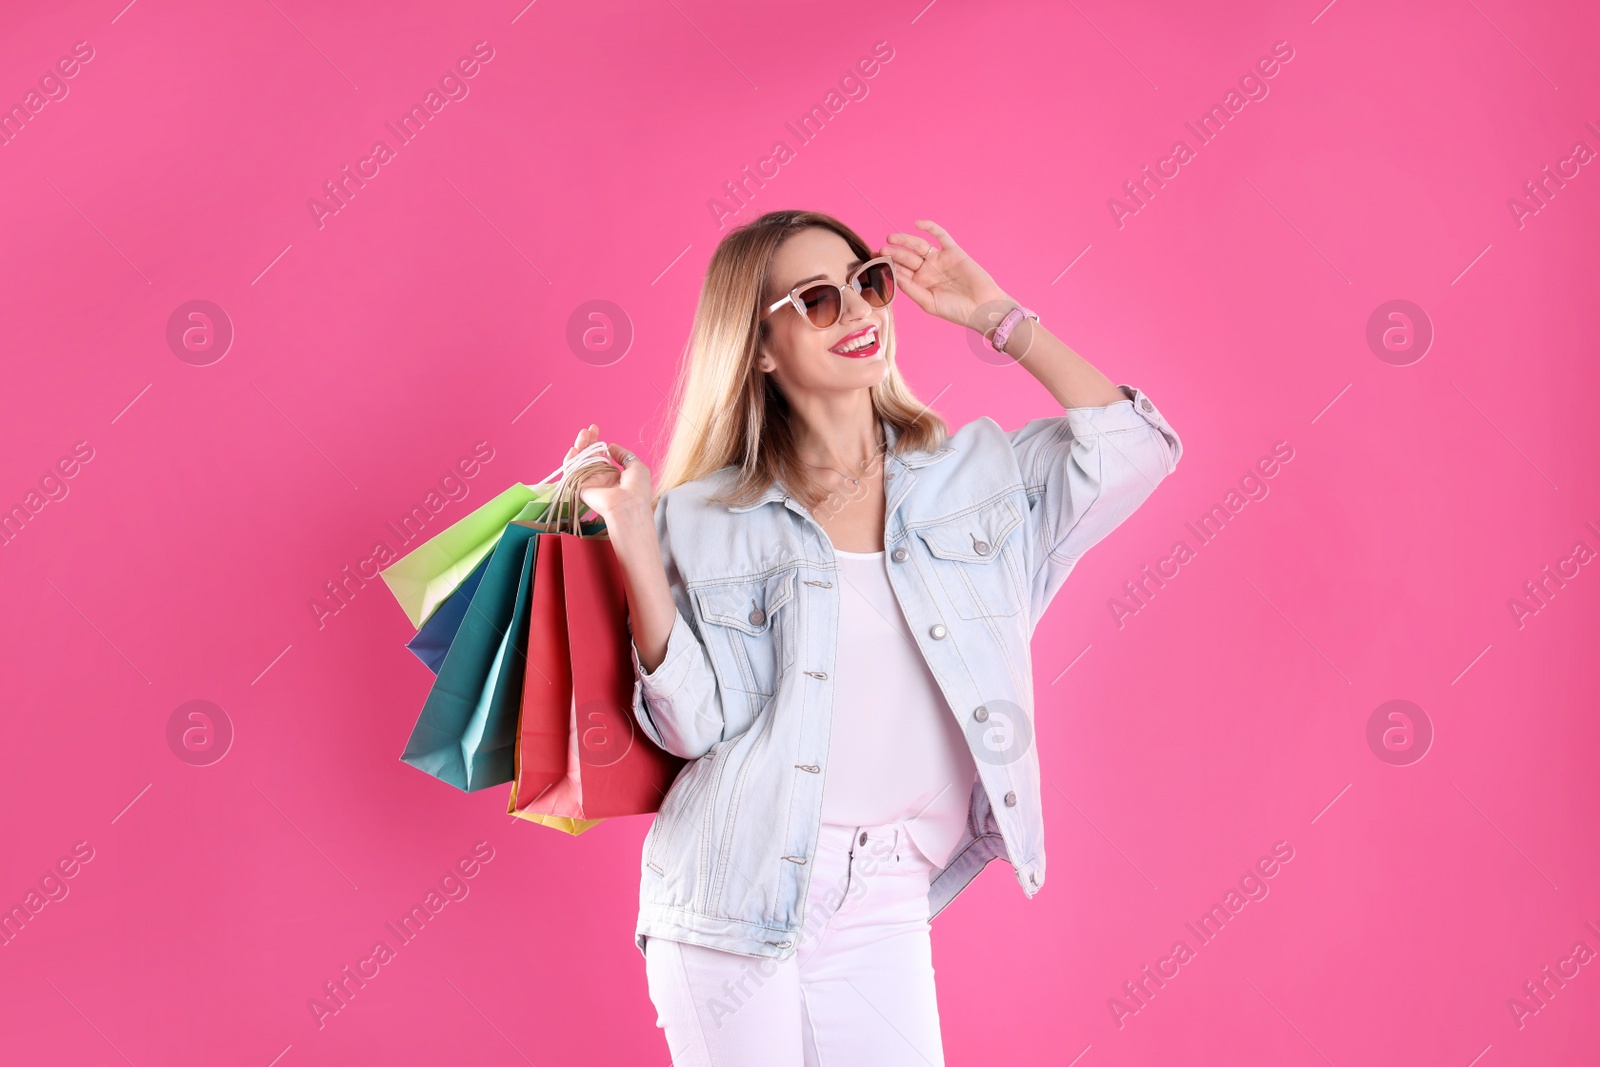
431,313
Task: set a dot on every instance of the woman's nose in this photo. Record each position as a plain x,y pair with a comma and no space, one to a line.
855,305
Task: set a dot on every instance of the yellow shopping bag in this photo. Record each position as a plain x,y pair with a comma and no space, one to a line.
559,822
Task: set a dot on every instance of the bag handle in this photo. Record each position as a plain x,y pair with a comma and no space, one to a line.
569,479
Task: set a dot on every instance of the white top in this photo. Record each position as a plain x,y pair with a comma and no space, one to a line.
895,751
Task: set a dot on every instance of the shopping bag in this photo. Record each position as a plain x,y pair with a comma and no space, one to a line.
425,576
432,641
557,822
466,732
579,754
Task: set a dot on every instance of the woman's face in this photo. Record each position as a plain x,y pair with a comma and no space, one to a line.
800,357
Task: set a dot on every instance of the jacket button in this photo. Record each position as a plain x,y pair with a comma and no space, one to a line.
757,617
982,714
1011,800
889,477
1145,403
981,547
938,631
863,837
899,555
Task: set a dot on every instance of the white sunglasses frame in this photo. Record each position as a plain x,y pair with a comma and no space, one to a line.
853,282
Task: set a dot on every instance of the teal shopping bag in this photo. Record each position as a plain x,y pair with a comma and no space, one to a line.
467,732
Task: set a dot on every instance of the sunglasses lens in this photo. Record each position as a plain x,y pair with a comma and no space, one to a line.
877,284
822,304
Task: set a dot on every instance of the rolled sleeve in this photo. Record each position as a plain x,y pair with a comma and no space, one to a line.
678,705
1085,471
1136,413
673,668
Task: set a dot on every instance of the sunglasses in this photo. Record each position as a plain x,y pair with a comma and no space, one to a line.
823,302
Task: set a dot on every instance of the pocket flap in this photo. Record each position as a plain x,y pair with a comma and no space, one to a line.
747,606
974,537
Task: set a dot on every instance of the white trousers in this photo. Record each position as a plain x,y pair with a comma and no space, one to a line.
858,990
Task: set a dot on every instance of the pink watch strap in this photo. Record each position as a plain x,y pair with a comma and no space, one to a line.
1002,333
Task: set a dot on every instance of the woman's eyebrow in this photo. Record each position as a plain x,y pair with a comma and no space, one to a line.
853,264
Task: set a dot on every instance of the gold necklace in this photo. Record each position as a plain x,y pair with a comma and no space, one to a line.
836,470
840,473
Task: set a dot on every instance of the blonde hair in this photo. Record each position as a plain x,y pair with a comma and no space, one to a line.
730,413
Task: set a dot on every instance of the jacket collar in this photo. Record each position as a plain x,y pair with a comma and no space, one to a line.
909,461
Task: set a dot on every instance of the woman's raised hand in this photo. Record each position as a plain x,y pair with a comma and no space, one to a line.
613,494
622,499
944,281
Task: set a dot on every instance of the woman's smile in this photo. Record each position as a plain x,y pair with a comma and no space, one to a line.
859,345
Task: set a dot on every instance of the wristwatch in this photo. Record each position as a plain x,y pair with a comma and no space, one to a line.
1002,332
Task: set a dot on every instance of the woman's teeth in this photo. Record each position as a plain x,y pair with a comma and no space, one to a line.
863,341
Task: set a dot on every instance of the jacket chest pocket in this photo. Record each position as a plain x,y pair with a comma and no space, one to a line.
744,629
977,559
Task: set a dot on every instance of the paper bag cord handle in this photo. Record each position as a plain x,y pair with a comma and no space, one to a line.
595,449
571,475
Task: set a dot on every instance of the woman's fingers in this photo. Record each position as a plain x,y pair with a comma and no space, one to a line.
918,293
945,240
585,438
902,257
915,242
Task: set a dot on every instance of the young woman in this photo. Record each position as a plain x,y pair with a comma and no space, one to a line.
831,600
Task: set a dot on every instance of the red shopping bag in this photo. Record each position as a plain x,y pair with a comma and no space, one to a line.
580,754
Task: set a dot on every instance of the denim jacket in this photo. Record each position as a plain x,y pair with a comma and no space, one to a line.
978,535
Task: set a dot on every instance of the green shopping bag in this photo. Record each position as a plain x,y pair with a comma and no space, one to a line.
422,579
